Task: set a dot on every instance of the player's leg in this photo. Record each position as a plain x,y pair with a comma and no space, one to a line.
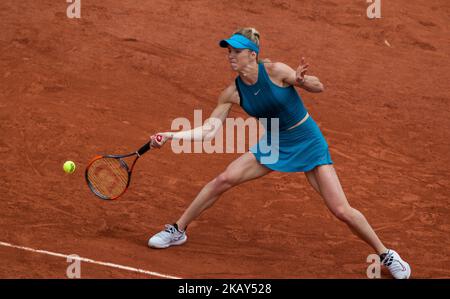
243,169
335,199
312,180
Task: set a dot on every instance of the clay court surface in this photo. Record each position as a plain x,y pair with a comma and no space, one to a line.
74,88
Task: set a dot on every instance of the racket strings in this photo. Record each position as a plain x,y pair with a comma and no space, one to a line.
108,177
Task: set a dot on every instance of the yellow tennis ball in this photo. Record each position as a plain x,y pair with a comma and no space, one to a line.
69,166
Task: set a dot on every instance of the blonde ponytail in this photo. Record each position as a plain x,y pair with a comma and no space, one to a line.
250,33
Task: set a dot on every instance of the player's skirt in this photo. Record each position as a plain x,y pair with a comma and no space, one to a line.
299,149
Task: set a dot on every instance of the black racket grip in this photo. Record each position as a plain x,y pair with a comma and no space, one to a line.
144,149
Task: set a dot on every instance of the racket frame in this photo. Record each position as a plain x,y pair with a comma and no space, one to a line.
138,154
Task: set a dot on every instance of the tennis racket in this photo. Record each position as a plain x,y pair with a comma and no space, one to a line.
109,176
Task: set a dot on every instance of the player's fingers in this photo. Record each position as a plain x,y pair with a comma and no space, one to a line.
302,68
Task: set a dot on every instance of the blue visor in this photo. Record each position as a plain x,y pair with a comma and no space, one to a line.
239,41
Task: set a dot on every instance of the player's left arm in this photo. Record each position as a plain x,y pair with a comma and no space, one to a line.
298,77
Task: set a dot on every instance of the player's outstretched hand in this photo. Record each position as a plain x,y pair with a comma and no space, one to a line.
301,71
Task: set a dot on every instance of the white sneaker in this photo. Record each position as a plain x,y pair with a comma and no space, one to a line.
168,237
399,268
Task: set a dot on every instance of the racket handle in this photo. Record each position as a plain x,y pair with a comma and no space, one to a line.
144,149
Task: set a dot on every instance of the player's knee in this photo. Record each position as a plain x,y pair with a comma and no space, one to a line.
343,213
224,181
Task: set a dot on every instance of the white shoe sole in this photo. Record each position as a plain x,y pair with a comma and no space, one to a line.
179,242
408,271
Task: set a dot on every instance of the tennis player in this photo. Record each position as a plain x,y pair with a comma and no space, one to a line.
267,90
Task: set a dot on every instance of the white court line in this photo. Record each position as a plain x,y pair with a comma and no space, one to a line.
90,261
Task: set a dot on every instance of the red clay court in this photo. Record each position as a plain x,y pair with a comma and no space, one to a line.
74,88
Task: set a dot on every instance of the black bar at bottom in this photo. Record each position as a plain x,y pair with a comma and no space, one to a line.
264,288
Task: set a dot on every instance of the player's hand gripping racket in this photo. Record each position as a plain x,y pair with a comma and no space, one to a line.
109,176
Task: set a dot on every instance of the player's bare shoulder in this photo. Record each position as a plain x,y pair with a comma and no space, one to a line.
278,72
276,69
229,95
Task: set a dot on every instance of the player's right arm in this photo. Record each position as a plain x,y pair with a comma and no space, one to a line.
211,126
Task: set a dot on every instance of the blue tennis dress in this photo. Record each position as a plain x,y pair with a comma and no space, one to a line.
278,108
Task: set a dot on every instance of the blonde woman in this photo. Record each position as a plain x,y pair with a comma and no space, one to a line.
266,90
